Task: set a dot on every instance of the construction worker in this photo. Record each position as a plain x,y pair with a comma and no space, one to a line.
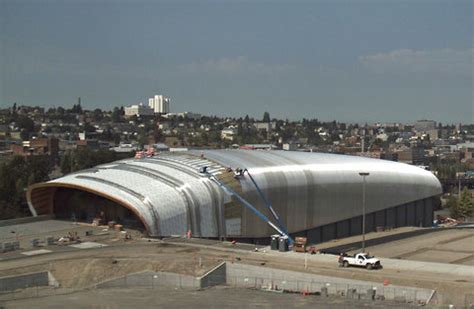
341,259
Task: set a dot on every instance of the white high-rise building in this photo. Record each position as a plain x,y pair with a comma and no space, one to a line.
160,104
139,110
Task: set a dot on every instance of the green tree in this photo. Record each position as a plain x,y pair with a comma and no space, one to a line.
25,123
266,117
466,205
205,138
97,114
24,135
65,164
83,158
60,111
158,135
77,109
143,139
116,115
15,176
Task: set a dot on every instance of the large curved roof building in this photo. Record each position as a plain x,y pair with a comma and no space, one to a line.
316,195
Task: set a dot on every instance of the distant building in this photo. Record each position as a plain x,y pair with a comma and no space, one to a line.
467,153
289,146
160,147
434,134
88,143
186,115
160,104
125,148
411,155
424,125
229,133
265,126
39,146
258,147
138,110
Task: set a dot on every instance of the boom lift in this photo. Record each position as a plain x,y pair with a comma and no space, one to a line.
280,229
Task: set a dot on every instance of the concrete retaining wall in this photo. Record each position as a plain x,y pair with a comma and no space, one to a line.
248,276
152,279
11,283
216,276
242,275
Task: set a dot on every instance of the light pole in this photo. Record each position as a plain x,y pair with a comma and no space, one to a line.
363,174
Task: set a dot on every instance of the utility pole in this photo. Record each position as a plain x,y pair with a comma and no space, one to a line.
363,174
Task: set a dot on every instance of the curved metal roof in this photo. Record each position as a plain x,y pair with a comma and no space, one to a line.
306,189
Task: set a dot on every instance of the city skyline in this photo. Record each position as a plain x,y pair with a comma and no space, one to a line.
345,61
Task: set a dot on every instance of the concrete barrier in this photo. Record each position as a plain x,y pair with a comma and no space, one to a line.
216,276
242,275
152,279
15,282
249,276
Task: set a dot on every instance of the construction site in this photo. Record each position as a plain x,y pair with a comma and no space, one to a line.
236,228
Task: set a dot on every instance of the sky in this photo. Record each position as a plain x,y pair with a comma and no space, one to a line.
353,61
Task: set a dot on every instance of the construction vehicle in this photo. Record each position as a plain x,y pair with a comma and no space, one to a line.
240,173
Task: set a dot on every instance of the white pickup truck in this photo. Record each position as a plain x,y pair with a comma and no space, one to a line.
360,259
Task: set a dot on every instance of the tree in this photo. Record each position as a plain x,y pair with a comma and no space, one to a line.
465,206
266,117
158,135
116,115
98,115
83,158
143,139
65,163
60,111
24,135
88,127
205,138
117,139
25,123
77,109
39,168
15,176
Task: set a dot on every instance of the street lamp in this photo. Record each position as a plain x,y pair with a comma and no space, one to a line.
363,174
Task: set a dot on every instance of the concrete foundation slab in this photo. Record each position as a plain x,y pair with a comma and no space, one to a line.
88,245
36,252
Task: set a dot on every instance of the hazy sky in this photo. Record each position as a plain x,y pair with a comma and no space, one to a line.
344,60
